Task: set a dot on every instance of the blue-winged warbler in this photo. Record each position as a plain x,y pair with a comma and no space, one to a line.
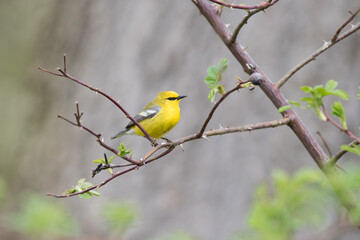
157,118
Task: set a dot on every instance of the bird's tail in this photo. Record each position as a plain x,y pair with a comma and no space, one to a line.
121,133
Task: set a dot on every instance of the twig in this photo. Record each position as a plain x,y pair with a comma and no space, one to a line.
335,39
353,15
249,15
237,6
254,79
171,146
78,123
66,75
325,143
207,120
333,122
339,154
96,186
222,131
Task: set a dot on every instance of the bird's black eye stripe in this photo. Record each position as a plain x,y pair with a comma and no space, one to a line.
172,98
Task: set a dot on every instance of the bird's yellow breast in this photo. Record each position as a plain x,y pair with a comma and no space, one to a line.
163,122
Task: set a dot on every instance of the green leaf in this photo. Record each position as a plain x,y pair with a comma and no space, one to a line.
211,95
100,160
212,71
309,100
340,93
222,65
331,85
353,149
221,89
81,186
306,89
338,111
86,195
284,108
123,151
294,103
111,159
214,77
210,80
95,193
359,93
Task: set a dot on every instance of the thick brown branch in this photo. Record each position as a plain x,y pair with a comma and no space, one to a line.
270,89
347,197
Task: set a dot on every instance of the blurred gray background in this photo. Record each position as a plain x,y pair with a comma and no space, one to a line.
132,50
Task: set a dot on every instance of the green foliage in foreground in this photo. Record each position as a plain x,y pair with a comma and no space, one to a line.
120,216
291,203
41,218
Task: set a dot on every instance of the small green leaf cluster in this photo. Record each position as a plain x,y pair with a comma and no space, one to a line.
295,202
315,100
41,218
318,92
123,151
214,78
81,186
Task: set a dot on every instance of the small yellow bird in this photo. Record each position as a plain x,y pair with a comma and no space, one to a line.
157,118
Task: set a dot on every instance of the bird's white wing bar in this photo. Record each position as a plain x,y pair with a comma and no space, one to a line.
145,114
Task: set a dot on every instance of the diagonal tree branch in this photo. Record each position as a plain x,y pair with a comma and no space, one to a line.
335,39
346,196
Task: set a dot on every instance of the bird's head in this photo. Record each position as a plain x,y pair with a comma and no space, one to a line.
169,97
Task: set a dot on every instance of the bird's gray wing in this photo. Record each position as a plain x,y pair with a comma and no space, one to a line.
147,113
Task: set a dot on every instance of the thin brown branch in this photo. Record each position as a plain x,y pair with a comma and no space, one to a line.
325,143
207,120
253,79
248,16
95,186
322,49
96,135
171,146
240,6
68,76
353,15
222,131
341,153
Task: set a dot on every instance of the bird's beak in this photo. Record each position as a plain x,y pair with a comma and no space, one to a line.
180,97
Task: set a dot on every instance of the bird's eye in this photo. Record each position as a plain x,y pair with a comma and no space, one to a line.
172,98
